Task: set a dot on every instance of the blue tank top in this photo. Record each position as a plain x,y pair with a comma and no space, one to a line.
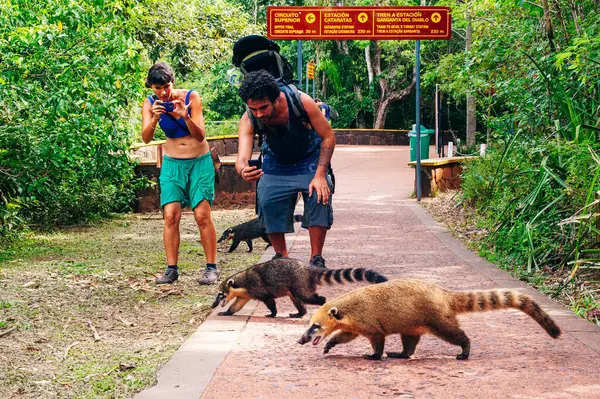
292,149
327,111
174,128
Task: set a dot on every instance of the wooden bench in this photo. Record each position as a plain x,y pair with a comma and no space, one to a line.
440,174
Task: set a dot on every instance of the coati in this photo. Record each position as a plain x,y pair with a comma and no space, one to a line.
285,276
245,232
411,308
248,231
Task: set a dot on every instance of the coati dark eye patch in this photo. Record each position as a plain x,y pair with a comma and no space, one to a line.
314,328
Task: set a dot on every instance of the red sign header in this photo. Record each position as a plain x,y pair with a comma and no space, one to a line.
359,23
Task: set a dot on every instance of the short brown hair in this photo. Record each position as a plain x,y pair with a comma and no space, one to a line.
160,74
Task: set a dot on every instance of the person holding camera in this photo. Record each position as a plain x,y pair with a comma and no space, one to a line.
187,175
297,153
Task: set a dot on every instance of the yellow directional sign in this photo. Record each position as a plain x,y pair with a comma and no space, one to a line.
363,17
310,70
310,18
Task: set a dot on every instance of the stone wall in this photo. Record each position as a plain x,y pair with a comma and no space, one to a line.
371,137
440,178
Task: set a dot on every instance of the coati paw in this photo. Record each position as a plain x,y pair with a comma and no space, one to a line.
296,315
398,355
224,314
271,316
328,346
373,357
462,356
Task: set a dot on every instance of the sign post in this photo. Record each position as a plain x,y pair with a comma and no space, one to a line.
300,64
310,74
364,23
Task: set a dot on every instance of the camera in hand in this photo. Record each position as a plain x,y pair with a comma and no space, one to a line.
255,162
169,106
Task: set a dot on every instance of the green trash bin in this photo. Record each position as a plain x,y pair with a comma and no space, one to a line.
425,134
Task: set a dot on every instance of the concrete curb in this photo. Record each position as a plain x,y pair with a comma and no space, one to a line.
583,331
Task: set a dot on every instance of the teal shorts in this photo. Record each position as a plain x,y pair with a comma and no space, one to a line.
189,181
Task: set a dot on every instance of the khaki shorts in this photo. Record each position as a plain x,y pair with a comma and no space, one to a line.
189,181
277,197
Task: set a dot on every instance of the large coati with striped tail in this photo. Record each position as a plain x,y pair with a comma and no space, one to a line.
285,277
411,308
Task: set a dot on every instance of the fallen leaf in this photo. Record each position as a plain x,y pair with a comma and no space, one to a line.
125,322
31,284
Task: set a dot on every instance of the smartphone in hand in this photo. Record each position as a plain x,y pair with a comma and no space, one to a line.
255,162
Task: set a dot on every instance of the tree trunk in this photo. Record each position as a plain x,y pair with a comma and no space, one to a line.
369,64
548,24
387,95
471,104
382,110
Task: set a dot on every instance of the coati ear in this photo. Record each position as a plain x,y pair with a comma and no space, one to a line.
335,312
230,282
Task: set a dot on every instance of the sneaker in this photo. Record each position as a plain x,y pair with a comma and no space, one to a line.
277,256
210,276
170,276
317,261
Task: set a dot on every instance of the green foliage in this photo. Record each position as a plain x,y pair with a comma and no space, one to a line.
192,35
219,98
536,199
69,72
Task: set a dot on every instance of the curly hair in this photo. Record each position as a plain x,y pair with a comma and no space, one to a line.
258,85
159,74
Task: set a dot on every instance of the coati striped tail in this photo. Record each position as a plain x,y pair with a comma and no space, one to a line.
333,276
482,301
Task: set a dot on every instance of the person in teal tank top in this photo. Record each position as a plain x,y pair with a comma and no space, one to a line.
187,176
297,152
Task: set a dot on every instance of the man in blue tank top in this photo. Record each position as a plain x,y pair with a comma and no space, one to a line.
297,151
325,109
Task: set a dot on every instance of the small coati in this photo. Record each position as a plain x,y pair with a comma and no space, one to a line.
411,308
245,232
285,277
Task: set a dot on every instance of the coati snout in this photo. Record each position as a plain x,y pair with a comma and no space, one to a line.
227,235
223,296
316,331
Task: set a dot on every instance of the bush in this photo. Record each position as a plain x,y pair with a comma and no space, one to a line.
69,74
535,197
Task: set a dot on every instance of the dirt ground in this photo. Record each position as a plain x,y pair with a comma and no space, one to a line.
582,296
80,315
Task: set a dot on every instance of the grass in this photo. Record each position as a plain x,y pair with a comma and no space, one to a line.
582,296
57,288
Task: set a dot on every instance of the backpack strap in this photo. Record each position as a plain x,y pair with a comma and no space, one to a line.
293,94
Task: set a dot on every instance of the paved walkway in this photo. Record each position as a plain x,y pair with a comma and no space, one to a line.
378,226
